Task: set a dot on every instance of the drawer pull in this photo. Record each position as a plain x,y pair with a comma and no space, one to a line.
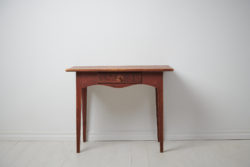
119,78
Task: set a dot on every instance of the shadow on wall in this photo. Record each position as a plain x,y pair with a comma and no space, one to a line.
186,110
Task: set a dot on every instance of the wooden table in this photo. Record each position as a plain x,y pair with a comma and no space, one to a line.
118,77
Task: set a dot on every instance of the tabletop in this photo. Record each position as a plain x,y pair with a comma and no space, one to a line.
142,68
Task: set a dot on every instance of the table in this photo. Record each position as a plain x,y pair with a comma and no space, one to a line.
118,77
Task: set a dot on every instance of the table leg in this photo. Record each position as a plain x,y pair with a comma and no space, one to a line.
160,115
78,117
156,97
84,112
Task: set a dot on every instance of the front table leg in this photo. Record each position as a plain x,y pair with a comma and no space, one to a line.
78,115
160,115
156,102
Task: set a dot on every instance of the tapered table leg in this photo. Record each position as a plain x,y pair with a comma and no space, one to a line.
78,115
156,97
84,112
160,115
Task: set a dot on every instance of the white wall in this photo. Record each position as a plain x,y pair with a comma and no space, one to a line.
207,42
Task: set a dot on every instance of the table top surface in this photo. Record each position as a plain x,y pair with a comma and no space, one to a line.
142,68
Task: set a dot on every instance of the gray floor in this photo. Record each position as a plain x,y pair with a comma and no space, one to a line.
222,153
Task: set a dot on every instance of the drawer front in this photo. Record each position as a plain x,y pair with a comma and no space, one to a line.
119,77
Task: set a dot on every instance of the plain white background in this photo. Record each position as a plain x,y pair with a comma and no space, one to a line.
207,42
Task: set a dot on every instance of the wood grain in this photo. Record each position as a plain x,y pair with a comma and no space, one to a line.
148,68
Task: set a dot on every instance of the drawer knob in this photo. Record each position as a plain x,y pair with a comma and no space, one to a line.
119,78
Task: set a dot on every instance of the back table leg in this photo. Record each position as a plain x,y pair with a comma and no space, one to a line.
84,112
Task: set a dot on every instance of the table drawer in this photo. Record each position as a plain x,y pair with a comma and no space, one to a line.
119,77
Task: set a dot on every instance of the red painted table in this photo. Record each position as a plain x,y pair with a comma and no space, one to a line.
118,77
